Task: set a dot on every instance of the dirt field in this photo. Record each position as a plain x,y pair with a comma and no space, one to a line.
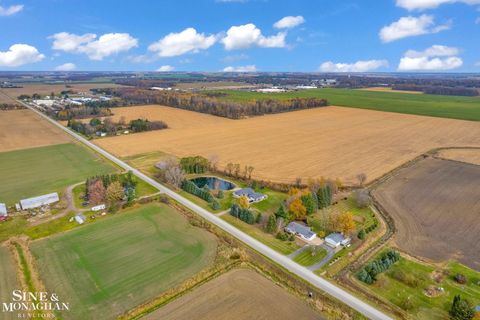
463,155
331,142
436,207
237,295
46,89
388,89
20,129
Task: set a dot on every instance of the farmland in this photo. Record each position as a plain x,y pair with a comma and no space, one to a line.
330,142
8,278
435,207
109,267
240,294
47,89
465,108
37,171
24,129
463,155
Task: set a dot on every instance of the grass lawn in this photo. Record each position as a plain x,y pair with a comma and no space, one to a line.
284,247
106,268
8,279
307,259
32,172
422,306
272,203
466,108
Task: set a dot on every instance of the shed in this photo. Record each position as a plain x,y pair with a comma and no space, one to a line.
300,230
336,239
3,211
36,202
80,218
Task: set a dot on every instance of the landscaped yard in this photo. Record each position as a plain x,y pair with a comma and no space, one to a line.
285,247
33,172
306,258
404,284
106,268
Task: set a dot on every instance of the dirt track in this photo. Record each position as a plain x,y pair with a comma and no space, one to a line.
330,142
237,295
436,207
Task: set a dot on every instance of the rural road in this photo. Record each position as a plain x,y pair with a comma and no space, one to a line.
331,289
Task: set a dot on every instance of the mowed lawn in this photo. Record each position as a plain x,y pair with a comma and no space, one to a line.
111,266
33,172
455,107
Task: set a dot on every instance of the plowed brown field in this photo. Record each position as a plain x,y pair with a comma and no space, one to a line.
329,142
436,207
20,129
238,295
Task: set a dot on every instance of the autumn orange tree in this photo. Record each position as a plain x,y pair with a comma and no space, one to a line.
297,209
243,202
345,223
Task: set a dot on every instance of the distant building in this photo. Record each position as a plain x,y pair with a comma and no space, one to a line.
271,90
305,87
3,211
44,102
300,230
98,208
36,202
336,239
250,194
80,218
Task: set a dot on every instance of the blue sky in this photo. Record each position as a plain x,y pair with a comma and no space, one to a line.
241,35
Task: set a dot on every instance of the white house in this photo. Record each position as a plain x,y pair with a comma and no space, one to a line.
301,231
336,239
36,202
251,195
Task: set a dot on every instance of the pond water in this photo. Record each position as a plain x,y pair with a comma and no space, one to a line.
213,183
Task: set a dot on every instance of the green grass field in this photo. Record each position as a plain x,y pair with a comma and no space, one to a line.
466,108
106,268
8,280
33,172
421,306
307,259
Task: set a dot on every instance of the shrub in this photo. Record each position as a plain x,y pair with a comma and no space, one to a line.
460,278
362,198
215,205
281,235
362,234
220,194
243,214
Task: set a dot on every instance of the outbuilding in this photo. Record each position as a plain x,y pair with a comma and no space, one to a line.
80,218
336,239
3,211
36,202
301,231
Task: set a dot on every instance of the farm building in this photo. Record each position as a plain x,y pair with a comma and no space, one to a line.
36,202
250,194
300,230
80,218
98,208
3,211
336,239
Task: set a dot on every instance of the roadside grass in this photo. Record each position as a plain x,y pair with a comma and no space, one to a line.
284,247
36,171
455,107
145,162
109,267
307,259
409,295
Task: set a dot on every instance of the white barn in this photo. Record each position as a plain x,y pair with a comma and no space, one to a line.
36,202
3,210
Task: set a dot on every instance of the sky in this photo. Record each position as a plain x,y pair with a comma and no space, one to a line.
240,35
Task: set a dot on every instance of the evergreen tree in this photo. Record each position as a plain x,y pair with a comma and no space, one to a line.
271,224
461,309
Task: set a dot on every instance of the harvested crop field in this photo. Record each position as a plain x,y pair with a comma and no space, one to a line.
20,129
109,267
330,141
238,295
462,155
436,208
47,89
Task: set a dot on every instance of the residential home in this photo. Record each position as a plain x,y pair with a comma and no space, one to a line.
301,231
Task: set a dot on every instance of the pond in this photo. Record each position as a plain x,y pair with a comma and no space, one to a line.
213,183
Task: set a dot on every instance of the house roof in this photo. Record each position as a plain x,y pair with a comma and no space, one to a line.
300,229
3,209
248,192
335,237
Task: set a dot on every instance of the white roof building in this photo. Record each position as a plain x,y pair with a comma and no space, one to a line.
80,218
36,202
300,230
3,210
336,239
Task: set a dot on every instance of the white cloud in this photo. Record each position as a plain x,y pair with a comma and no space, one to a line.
411,26
430,4
66,67
165,68
359,66
248,35
176,44
96,49
20,54
249,68
435,58
8,11
289,22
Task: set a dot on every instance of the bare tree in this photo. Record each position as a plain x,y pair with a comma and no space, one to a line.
250,171
237,169
213,160
298,182
175,176
229,168
362,198
361,177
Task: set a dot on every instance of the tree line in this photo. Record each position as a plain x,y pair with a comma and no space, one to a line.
111,128
369,273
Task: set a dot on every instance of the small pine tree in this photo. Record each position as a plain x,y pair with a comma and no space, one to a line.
271,225
361,234
461,309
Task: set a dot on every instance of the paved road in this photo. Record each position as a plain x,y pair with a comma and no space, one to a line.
333,290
